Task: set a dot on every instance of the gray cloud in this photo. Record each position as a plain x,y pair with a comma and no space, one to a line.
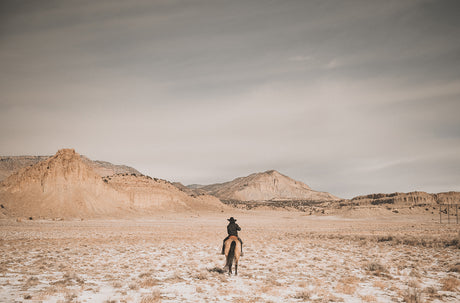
350,97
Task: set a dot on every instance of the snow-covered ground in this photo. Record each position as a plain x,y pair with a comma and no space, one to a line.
287,258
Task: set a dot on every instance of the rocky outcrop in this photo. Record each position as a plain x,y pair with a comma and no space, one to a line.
12,164
61,186
67,186
452,197
266,186
411,198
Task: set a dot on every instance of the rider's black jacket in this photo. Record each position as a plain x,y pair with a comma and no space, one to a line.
232,229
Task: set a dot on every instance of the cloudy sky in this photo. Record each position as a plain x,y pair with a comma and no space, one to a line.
350,97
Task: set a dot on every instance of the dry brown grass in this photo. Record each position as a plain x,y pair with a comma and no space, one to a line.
455,268
133,286
380,284
347,285
369,298
145,274
376,268
430,291
202,275
32,281
148,282
412,295
154,297
450,284
303,295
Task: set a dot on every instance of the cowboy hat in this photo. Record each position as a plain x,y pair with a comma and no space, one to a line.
231,219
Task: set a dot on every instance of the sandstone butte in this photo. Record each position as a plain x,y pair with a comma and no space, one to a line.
266,186
67,186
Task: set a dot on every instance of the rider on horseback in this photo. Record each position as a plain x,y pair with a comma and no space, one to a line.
232,230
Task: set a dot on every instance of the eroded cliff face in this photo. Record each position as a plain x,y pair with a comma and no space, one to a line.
412,198
13,164
60,186
67,186
452,197
269,185
56,173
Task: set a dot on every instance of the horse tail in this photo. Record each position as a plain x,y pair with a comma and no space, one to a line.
231,255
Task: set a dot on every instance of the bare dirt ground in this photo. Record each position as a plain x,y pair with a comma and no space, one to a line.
289,257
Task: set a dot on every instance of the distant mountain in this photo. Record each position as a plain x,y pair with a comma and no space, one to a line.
12,164
195,186
189,190
265,186
66,185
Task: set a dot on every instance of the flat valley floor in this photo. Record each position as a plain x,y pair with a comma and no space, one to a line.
288,257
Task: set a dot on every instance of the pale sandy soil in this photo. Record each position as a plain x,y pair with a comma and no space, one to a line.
288,257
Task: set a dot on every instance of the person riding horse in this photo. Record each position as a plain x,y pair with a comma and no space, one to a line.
232,230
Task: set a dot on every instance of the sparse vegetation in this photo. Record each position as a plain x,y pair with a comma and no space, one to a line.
450,284
455,268
303,295
303,259
412,295
347,285
152,298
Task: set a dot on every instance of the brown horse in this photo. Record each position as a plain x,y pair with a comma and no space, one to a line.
232,252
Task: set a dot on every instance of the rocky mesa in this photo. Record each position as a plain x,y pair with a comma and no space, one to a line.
416,198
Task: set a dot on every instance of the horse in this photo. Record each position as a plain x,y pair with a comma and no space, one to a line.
232,252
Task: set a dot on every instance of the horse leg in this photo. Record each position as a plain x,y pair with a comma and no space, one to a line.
231,257
230,261
236,269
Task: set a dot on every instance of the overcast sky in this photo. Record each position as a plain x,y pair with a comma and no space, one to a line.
350,97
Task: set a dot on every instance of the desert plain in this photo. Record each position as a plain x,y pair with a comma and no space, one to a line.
175,257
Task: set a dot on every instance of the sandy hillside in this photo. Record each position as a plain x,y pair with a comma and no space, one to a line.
67,186
149,195
269,185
